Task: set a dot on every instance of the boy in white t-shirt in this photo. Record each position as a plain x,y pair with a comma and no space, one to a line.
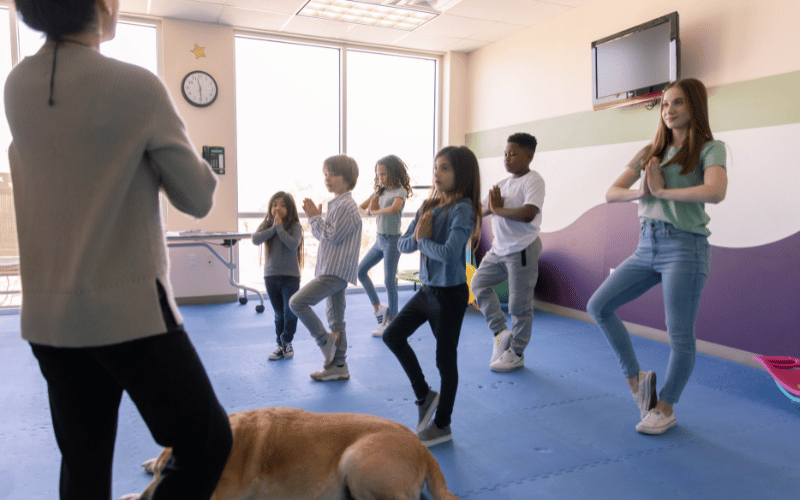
516,203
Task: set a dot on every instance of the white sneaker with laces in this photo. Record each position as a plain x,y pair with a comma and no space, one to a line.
329,348
645,396
501,342
508,361
382,327
380,314
277,354
332,373
288,352
656,423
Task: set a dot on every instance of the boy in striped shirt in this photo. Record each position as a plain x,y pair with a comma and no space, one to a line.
339,234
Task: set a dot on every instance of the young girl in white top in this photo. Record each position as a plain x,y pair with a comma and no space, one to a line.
283,235
392,187
681,170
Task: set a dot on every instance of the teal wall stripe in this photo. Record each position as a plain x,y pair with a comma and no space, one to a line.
764,102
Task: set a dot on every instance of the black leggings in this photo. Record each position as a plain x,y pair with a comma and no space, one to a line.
443,308
166,380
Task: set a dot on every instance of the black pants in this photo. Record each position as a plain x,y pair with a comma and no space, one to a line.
166,380
443,308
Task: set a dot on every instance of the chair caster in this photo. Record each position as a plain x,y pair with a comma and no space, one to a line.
243,300
259,308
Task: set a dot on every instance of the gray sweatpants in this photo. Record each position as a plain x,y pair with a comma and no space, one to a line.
333,289
522,270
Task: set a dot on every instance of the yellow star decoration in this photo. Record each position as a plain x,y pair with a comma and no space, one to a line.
198,51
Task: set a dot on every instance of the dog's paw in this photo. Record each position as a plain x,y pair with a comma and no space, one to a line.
150,468
130,496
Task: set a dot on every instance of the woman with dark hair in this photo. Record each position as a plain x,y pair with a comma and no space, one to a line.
681,169
94,142
447,220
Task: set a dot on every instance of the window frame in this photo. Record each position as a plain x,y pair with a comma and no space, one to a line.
343,47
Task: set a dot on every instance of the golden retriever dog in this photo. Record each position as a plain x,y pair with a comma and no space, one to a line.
284,453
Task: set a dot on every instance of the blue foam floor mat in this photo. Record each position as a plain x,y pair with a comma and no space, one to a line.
561,428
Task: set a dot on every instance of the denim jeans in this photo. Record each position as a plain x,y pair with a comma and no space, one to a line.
280,289
385,248
677,259
333,289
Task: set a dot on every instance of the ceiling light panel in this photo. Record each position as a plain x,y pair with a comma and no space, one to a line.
367,13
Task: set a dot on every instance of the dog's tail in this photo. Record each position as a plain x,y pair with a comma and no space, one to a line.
435,479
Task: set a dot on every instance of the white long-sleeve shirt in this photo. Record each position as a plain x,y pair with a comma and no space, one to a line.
86,175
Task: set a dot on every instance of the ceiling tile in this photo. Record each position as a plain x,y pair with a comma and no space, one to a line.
187,9
310,26
254,19
372,35
279,6
454,26
466,45
426,41
133,6
497,31
526,13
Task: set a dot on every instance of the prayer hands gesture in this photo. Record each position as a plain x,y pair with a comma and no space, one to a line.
495,199
311,209
424,228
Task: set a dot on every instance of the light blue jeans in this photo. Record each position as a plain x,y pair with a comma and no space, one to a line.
679,261
385,248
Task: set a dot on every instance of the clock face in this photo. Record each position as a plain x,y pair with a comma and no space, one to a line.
199,88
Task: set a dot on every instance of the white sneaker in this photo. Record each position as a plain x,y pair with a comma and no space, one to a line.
656,423
329,348
645,396
380,314
277,354
501,343
332,373
288,352
382,327
508,361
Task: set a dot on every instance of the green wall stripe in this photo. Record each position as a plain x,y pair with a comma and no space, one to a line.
764,102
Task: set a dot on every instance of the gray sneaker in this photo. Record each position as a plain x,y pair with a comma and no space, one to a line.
329,348
646,397
288,352
426,409
433,435
501,343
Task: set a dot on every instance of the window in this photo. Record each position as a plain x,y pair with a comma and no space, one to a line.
292,114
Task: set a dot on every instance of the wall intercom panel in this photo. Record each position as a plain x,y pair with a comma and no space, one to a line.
215,156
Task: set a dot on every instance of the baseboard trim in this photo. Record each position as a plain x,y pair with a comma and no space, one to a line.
705,347
206,299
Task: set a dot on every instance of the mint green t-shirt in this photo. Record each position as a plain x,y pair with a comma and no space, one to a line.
691,217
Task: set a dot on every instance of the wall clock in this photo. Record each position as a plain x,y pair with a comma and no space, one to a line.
199,88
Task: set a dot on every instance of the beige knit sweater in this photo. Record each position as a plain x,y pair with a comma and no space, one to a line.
86,175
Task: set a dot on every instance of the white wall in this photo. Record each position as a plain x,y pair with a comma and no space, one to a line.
547,68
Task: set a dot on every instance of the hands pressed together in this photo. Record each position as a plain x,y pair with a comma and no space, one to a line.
424,228
311,209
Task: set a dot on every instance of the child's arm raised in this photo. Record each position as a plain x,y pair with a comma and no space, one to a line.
457,235
525,213
292,238
408,242
337,225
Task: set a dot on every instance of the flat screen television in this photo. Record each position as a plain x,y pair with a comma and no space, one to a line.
636,64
